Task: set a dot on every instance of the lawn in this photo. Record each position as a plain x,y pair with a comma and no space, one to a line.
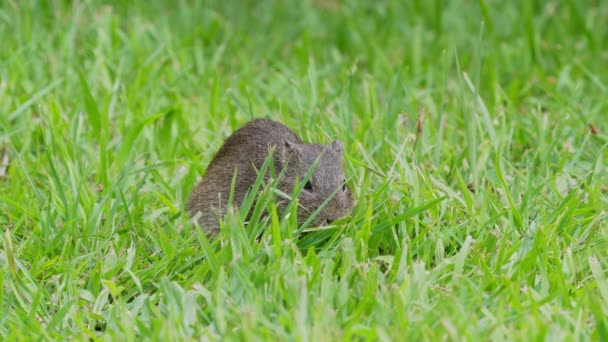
475,137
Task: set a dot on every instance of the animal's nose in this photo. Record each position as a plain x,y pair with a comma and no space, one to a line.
329,221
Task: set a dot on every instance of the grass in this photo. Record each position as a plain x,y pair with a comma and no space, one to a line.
475,136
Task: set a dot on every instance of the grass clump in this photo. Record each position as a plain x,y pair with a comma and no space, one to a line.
475,138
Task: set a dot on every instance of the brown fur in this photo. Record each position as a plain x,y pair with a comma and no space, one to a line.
247,149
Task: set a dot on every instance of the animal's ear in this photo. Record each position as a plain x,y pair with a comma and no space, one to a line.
337,146
288,151
290,145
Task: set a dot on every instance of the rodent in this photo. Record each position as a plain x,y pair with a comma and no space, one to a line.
247,149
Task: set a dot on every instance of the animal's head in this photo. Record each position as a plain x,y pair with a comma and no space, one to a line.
327,180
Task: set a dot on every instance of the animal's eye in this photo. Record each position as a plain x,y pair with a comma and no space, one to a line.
344,185
308,186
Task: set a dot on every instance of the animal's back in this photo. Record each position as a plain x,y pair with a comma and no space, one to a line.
244,151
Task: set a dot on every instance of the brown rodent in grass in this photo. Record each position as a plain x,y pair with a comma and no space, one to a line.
246,150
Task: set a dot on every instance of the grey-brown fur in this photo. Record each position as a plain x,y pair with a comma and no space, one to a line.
247,149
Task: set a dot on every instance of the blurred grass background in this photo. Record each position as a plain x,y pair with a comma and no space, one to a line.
475,134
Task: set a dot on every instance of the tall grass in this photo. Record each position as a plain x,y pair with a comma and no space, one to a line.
475,138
